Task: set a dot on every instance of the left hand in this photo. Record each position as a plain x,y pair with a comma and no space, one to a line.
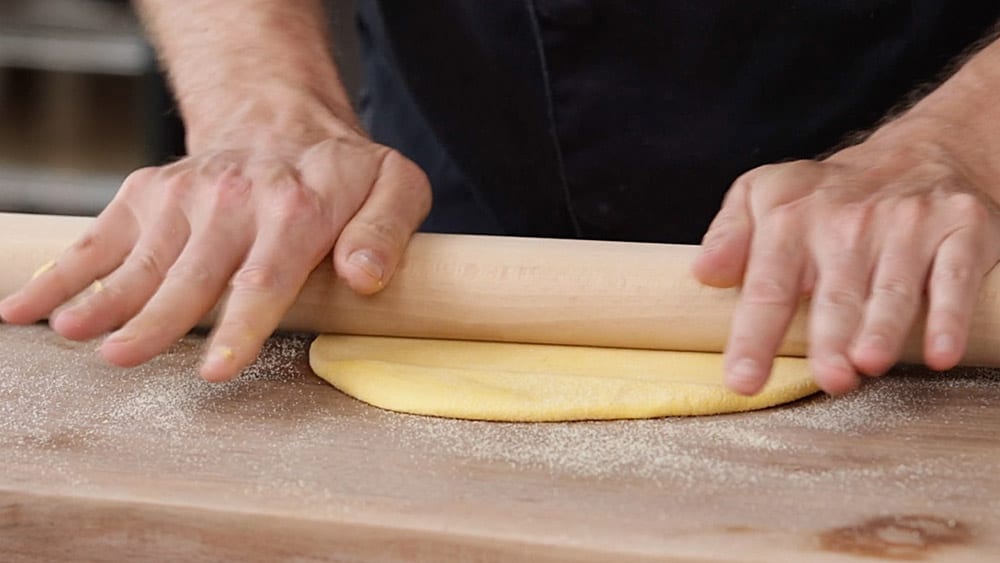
865,232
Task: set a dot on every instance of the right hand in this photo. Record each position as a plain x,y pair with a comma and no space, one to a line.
254,211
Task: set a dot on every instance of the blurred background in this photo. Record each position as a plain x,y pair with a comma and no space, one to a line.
82,102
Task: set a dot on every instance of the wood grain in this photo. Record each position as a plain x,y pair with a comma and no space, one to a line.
106,464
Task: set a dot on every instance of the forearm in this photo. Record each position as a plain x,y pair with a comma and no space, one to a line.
963,115
242,64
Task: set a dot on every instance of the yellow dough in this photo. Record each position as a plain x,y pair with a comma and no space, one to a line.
531,382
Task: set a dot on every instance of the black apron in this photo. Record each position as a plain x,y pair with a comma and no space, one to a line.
609,119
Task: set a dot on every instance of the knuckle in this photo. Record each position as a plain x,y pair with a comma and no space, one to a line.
741,186
796,174
88,244
968,207
953,273
258,278
382,233
766,174
192,273
407,168
768,291
745,180
837,298
896,289
138,179
294,203
779,237
231,187
414,181
150,264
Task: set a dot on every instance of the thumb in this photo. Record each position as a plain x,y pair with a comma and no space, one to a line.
372,242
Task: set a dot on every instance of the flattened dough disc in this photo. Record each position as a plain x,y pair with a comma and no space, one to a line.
535,382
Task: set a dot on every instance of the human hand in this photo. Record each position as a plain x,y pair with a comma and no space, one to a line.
252,210
865,232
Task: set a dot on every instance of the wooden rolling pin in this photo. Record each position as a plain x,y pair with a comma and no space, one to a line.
614,294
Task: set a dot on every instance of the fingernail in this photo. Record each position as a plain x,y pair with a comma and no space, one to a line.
222,353
218,358
119,337
944,344
366,261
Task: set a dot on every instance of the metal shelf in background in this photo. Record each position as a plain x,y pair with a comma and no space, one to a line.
61,192
88,36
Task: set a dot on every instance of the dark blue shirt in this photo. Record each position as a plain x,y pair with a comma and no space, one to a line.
629,120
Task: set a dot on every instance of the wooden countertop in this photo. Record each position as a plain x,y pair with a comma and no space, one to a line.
98,463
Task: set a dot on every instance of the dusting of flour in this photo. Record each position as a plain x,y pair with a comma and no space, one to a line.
56,395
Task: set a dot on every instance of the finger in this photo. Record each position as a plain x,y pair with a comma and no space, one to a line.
372,242
768,300
190,289
893,302
270,278
726,244
91,257
263,289
953,287
834,318
122,294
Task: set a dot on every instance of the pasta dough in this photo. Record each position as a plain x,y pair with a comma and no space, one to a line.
532,382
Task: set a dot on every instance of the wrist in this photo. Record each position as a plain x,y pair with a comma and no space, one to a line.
960,117
937,139
259,117
280,80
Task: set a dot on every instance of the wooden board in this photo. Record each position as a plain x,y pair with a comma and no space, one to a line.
105,464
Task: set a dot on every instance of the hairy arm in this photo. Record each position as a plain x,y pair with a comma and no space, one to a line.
242,63
963,114
278,176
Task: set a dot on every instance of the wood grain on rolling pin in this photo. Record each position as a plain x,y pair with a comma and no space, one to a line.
596,293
